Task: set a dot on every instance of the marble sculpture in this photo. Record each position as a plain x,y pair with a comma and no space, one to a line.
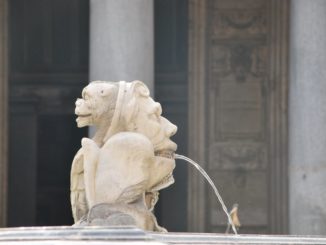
116,176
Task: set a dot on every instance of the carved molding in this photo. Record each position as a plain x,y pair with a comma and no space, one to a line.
237,155
3,109
235,52
196,146
278,123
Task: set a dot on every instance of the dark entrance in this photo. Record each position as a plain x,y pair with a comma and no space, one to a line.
48,68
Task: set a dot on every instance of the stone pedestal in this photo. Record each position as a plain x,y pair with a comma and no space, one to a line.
307,118
122,41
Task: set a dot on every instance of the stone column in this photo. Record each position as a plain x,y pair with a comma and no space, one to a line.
3,110
122,41
307,118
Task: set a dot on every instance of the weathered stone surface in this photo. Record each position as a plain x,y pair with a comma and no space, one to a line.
238,53
130,158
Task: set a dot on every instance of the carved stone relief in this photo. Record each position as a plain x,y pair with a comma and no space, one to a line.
237,78
237,154
235,93
236,85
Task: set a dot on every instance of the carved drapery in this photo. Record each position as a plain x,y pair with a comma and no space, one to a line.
3,110
238,112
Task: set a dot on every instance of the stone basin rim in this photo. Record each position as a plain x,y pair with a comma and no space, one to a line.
119,233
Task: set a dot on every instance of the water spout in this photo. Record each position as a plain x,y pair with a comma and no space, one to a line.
203,172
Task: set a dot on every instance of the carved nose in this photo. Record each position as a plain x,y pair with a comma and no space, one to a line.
171,130
79,102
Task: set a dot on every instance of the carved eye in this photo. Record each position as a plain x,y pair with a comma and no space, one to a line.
103,92
154,117
85,96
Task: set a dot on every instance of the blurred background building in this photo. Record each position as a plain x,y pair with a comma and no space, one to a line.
244,80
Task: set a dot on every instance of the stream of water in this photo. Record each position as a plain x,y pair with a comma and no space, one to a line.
203,172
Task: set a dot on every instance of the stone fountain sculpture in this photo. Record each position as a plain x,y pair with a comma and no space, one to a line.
116,176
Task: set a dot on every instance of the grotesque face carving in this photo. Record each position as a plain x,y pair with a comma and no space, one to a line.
136,111
97,103
143,115
126,107
149,122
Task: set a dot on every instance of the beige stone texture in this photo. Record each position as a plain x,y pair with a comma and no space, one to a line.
129,159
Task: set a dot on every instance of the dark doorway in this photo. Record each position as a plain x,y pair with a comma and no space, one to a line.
48,68
171,90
